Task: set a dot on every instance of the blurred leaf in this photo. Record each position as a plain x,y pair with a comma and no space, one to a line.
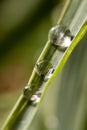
72,88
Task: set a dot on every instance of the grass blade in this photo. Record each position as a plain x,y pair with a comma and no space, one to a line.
25,109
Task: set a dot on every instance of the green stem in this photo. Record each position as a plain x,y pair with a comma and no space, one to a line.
23,104
24,111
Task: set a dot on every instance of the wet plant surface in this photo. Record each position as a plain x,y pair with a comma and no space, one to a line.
62,39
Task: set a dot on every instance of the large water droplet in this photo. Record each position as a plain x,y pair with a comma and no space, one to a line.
35,98
42,67
27,91
60,36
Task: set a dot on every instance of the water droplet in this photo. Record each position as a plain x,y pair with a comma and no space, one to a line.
42,67
48,74
27,91
60,36
35,98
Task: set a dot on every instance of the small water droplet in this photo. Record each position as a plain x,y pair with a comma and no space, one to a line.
35,98
27,91
42,67
48,74
60,36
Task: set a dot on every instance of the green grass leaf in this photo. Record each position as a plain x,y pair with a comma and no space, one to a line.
30,100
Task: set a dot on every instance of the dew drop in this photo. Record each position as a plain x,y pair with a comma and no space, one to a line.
60,36
27,91
48,74
42,67
35,98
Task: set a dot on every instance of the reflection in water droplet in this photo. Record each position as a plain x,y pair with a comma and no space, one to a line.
42,67
35,98
27,91
48,74
60,36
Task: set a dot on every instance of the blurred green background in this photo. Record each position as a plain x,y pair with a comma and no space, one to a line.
24,26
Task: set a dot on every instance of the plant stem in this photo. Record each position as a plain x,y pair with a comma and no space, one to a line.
22,105
51,58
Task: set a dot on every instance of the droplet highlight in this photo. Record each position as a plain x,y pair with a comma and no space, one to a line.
35,98
42,67
48,74
60,36
27,91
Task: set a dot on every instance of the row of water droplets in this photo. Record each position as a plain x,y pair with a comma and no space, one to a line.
59,39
